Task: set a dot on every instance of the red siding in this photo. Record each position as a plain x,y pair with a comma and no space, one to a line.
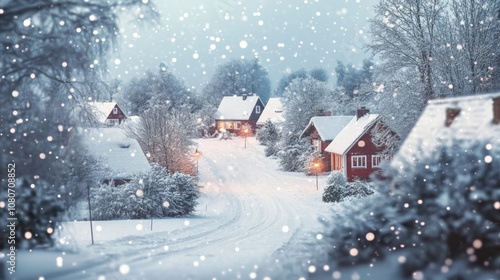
120,116
368,150
326,162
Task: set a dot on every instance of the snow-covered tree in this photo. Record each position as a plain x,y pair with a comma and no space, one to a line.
399,100
444,206
404,35
269,136
53,53
154,88
304,98
470,43
287,79
238,77
295,156
351,79
319,74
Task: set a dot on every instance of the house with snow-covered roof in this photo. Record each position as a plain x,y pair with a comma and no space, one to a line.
273,112
322,130
357,150
467,118
107,113
236,112
122,155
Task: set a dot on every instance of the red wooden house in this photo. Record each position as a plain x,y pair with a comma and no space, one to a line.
322,130
107,113
236,112
354,151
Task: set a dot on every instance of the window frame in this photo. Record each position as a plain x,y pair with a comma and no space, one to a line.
257,109
355,159
316,143
380,158
115,110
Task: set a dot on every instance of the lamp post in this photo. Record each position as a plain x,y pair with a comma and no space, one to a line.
245,132
316,167
197,157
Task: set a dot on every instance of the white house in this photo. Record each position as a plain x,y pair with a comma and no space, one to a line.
467,118
272,112
235,112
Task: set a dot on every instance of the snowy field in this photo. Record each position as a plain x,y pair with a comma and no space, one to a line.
253,222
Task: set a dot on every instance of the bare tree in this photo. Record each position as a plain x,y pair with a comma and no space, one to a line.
476,25
165,133
404,35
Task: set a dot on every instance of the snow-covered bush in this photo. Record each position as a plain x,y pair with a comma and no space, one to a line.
444,207
182,194
336,183
153,194
338,189
269,136
269,133
294,157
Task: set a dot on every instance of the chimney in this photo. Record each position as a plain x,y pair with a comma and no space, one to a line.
451,114
361,112
244,96
496,110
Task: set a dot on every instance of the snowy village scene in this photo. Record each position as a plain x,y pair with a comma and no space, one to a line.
238,139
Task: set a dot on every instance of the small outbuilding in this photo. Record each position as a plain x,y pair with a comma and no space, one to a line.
107,113
322,130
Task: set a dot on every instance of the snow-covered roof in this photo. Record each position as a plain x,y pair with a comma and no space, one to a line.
473,122
272,112
328,127
120,153
351,133
102,109
235,108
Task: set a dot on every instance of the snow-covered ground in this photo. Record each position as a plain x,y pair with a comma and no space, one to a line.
253,222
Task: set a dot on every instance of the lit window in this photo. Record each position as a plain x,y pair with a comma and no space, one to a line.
358,161
257,109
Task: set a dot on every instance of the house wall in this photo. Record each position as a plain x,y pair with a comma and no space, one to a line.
252,121
368,150
326,162
337,162
221,124
254,117
120,116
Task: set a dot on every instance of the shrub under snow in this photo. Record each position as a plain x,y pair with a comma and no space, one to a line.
444,209
338,189
153,194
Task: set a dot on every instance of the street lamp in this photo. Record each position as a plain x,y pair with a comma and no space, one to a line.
316,167
245,132
197,156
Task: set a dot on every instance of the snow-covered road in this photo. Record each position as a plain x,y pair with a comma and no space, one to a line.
253,222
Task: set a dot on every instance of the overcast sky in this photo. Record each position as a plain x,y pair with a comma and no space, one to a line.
194,36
